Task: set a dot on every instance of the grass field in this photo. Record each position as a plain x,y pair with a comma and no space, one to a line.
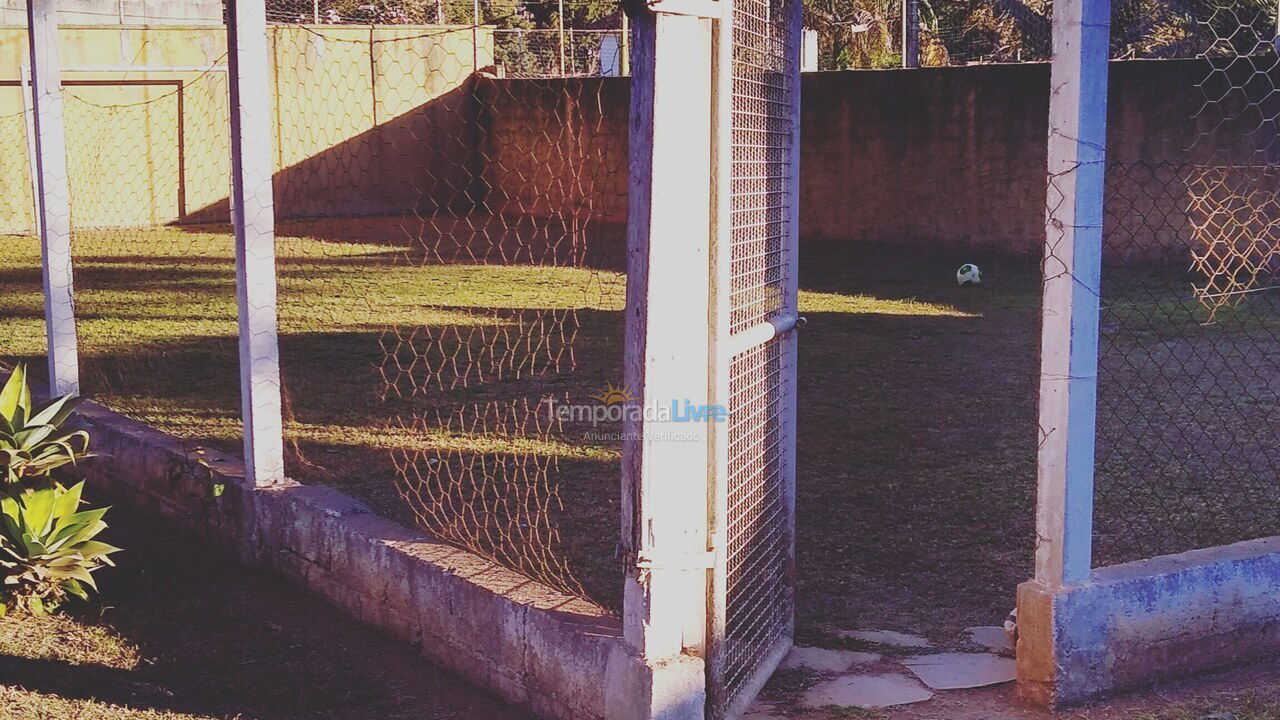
916,409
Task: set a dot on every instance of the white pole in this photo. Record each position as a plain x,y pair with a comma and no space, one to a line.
253,219
666,464
53,218
1072,268
626,46
475,35
560,25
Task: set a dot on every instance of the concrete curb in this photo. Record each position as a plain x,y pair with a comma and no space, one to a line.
528,643
1133,624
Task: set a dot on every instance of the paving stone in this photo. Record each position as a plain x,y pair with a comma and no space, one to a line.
990,636
866,691
955,671
892,638
824,660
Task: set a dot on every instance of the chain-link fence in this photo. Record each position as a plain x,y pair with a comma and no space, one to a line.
450,254
146,141
450,251
869,33
1189,383
533,53
541,38
21,297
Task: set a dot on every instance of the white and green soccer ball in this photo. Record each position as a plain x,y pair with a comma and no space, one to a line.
968,274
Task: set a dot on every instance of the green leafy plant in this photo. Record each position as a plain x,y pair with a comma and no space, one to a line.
47,548
31,444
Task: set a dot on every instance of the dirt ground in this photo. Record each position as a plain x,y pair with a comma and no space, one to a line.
179,634
1250,692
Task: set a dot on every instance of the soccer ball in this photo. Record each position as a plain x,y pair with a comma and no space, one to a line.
968,274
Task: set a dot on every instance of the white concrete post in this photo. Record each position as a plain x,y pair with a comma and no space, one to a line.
666,463
560,27
253,219
475,36
1072,269
53,199
626,45
809,51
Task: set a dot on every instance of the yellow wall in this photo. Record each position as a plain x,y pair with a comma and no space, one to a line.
356,112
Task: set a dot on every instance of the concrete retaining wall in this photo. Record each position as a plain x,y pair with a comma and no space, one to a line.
1145,621
530,644
938,158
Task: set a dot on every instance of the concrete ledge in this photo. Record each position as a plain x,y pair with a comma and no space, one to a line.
1144,621
530,644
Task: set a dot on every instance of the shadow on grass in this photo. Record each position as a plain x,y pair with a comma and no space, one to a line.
220,641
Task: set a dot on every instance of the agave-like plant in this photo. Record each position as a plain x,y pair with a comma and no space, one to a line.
47,548
31,445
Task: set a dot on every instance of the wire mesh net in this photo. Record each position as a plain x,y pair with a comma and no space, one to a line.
764,104
758,607
148,171
532,53
531,39
868,34
21,304
146,136
1188,383
450,253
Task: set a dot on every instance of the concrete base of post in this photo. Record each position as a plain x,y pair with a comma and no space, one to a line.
1132,624
672,689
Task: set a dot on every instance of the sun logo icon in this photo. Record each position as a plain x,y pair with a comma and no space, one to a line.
615,395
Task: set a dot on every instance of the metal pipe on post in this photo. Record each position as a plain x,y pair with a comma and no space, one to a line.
560,27
315,11
910,33
625,61
53,198
1072,275
475,36
29,126
253,221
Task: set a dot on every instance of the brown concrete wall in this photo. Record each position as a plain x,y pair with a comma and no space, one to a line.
945,158
954,158
557,148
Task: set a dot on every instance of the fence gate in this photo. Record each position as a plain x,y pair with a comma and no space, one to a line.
756,145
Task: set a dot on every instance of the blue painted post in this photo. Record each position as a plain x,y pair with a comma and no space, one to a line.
1072,269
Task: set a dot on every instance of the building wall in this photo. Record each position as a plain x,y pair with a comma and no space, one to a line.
119,12
367,121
